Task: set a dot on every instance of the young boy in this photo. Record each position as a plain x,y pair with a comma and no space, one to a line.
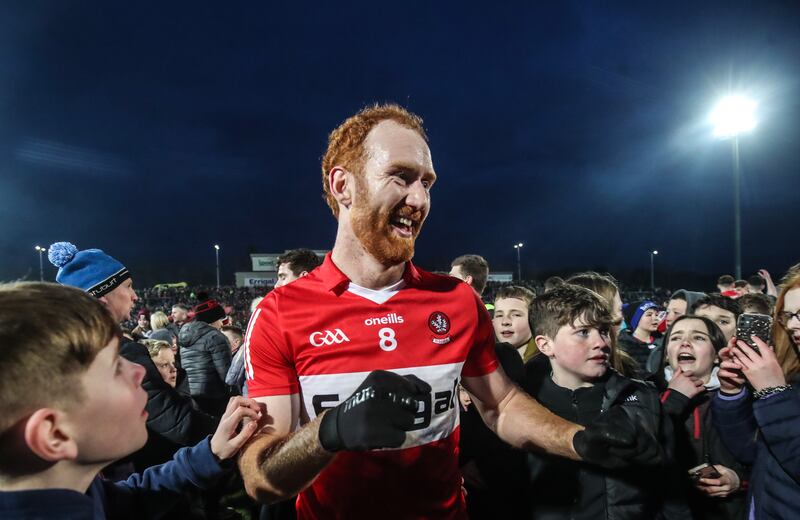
571,377
510,319
70,405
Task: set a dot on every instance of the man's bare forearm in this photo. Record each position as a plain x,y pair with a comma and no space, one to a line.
275,467
524,423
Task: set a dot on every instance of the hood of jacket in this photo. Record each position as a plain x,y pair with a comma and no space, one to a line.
691,297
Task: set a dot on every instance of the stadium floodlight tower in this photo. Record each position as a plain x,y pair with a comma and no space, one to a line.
216,252
518,247
732,116
653,254
41,251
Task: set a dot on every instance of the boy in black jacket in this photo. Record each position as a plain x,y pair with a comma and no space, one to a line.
572,328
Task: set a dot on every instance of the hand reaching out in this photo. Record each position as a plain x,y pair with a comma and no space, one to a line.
226,442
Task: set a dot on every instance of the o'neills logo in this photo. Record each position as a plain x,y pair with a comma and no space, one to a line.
109,283
384,320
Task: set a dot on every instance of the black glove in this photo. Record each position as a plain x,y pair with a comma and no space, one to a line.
377,415
614,441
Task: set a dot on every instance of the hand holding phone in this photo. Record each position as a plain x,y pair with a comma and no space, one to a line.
705,470
749,324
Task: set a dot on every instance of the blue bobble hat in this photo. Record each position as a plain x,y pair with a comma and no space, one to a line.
91,270
633,313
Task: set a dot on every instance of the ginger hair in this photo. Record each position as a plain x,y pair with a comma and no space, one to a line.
346,142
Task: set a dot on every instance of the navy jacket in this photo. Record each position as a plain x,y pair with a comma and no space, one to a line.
766,435
146,495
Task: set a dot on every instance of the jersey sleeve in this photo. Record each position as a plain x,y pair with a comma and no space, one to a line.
481,359
269,364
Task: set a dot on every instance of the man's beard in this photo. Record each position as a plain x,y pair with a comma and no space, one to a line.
373,228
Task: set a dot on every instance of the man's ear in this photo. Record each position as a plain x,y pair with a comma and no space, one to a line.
544,345
340,183
304,273
469,279
46,436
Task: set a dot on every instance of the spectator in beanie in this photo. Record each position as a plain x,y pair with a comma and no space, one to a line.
142,329
170,417
206,357
640,338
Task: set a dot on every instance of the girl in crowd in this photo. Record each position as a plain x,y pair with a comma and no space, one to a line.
691,345
760,427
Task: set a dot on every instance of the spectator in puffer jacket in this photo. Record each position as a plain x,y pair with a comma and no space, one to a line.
206,357
762,429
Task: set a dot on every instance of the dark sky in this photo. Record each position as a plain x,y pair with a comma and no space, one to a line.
154,130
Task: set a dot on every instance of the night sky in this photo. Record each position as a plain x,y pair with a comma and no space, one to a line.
155,130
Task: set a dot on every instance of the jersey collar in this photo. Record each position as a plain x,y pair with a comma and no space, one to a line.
336,281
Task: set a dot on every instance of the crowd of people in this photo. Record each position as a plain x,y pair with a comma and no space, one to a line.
362,385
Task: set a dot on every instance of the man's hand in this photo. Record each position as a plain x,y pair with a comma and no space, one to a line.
226,442
614,441
377,415
727,483
685,383
760,368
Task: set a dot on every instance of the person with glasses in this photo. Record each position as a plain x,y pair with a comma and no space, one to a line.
757,411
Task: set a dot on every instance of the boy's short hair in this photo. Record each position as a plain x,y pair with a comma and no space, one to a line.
475,266
725,280
154,346
236,331
49,335
564,305
739,284
758,302
717,300
515,291
552,282
299,260
756,281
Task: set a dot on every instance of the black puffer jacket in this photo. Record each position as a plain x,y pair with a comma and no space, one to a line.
173,421
567,489
206,357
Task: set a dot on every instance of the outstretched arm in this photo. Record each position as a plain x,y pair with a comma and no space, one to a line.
279,462
519,419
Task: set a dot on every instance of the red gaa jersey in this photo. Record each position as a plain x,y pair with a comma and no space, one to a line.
321,336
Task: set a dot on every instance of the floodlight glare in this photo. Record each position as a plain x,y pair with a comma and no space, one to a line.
732,116
216,246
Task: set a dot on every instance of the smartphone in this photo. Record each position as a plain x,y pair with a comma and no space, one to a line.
704,471
758,325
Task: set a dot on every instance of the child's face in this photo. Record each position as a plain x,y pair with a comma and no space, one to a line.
726,320
165,363
649,321
579,352
689,348
110,422
675,309
511,321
